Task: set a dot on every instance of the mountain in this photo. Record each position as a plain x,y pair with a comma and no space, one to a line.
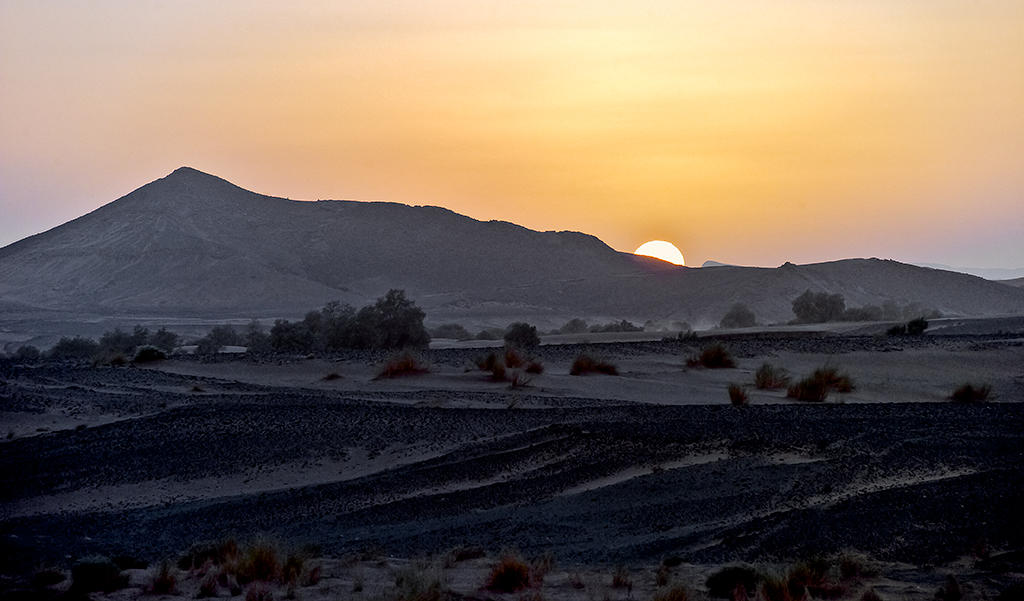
191,244
989,273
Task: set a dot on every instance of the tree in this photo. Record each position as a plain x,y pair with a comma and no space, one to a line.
738,316
392,322
74,348
522,335
574,326
164,339
818,307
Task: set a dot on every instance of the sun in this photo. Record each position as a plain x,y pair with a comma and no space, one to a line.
659,249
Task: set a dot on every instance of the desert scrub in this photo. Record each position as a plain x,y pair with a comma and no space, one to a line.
621,578
816,387
586,364
259,591
509,575
260,563
769,377
738,395
404,363
149,353
969,393
713,356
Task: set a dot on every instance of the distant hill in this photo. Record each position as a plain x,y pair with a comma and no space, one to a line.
1018,282
989,273
191,244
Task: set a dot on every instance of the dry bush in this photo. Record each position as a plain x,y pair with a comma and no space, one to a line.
969,393
331,376
513,358
509,575
661,577
260,563
534,366
518,379
815,387
769,377
163,581
713,356
293,568
541,566
950,591
738,395
870,595
404,363
676,593
585,364
576,581
621,579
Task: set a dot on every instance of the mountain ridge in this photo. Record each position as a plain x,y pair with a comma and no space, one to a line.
195,243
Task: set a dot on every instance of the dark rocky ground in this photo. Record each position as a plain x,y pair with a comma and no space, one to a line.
922,483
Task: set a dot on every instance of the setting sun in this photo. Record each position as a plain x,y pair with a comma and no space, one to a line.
659,249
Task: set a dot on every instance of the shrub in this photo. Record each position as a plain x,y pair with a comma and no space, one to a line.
163,581
738,316
77,348
870,595
815,388
490,334
534,367
292,569
714,356
914,327
164,339
395,321
969,393
676,593
818,307
775,588
510,574
769,377
522,335
513,358
723,583
616,326
405,363
585,364
621,578
148,353
418,583
661,577
260,563
738,395
96,573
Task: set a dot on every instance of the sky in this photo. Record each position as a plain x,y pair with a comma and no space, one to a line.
750,132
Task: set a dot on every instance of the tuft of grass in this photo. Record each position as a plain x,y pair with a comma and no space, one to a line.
418,582
163,580
738,395
540,566
509,575
585,364
776,588
713,356
969,393
675,593
662,576
816,387
208,586
403,363
769,377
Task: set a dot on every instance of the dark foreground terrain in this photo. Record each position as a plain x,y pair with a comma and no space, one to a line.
145,462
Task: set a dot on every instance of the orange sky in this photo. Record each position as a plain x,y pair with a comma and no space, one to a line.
749,132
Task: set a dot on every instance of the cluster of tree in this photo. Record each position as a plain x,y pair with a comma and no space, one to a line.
579,326
914,327
114,346
821,307
738,316
390,323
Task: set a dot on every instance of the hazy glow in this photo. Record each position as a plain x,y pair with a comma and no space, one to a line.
749,131
659,249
